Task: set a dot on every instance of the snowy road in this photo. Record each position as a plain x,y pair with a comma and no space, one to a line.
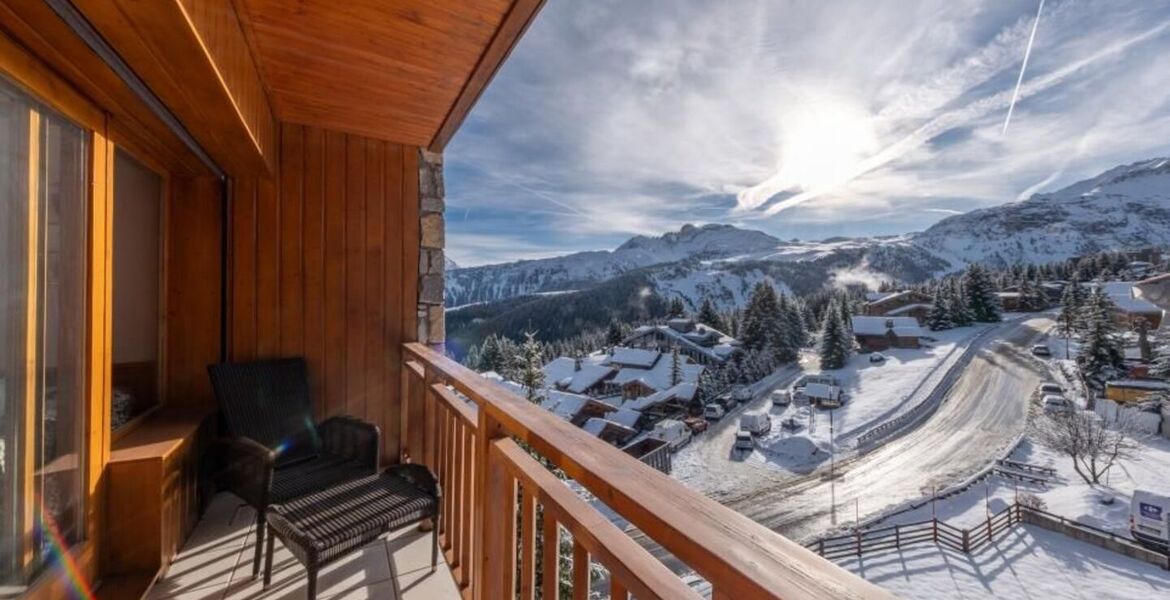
983,413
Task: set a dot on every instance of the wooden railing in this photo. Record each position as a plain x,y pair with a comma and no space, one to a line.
495,455
933,531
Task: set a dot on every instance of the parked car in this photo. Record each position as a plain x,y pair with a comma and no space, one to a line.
1149,520
743,440
1054,404
1041,350
742,394
756,423
877,357
781,398
697,425
1049,387
714,411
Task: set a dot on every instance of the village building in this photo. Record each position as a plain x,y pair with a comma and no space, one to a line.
1130,308
609,431
907,303
874,334
702,344
1125,391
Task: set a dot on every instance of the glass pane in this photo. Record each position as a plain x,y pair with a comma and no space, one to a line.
14,112
44,181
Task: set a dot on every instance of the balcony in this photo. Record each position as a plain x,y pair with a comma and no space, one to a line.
498,458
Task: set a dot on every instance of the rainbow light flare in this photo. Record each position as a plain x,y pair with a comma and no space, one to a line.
59,551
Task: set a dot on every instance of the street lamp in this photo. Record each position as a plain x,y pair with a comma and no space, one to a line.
832,474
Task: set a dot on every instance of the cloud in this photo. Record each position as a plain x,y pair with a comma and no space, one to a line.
799,117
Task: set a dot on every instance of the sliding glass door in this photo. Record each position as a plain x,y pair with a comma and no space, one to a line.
44,181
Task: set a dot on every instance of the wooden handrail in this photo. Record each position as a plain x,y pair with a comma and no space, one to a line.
740,557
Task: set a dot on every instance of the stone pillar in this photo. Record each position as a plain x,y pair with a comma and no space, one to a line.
431,320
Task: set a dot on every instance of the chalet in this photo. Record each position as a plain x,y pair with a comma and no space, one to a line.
822,395
908,303
673,401
640,372
702,344
882,333
1009,301
1130,307
578,376
1135,390
609,431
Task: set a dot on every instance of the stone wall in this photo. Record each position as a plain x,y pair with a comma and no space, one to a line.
431,323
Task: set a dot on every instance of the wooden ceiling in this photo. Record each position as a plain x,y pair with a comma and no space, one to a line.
407,71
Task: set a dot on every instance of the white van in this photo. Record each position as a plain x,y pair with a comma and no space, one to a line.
675,433
742,394
714,411
781,398
1149,519
1055,405
756,424
743,440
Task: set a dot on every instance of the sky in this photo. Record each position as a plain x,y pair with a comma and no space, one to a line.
803,118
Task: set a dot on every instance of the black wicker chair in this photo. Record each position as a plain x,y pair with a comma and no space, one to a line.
276,450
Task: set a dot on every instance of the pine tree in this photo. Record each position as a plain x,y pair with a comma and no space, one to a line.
957,307
471,361
531,373
1100,357
939,317
979,294
677,309
846,316
832,353
676,373
489,355
709,316
756,327
790,309
613,336
1160,366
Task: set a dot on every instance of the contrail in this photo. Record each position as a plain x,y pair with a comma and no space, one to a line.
1020,79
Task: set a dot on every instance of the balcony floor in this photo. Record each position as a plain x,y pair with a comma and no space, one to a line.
216,564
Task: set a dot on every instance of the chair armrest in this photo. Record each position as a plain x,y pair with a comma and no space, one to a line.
249,469
418,475
352,438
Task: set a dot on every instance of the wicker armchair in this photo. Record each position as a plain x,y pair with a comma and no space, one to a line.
276,451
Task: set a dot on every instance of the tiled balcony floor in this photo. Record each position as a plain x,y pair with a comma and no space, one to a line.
216,564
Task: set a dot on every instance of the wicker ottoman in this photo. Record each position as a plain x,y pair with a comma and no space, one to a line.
324,526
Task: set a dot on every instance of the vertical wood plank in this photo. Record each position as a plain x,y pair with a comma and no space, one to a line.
292,256
580,572
457,524
493,484
375,288
410,241
528,545
392,335
30,403
617,591
243,252
314,249
99,343
335,272
500,530
267,270
550,561
468,500
355,272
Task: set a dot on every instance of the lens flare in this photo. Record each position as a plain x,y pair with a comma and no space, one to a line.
59,553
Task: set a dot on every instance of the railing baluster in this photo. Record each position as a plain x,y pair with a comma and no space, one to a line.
495,517
550,563
528,545
616,590
469,499
580,571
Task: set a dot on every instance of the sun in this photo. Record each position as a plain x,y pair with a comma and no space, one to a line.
822,140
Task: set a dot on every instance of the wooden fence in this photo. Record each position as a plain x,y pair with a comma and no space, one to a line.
933,531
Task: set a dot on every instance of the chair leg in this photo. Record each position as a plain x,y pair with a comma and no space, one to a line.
268,562
312,587
261,525
435,545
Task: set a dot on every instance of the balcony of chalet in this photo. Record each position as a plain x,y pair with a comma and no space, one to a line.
287,167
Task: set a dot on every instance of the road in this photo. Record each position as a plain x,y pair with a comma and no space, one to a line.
983,413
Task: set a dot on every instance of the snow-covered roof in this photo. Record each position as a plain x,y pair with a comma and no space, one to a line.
821,390
634,357
875,296
724,345
907,308
1139,384
684,391
596,425
1122,294
902,326
658,377
890,296
1008,294
626,415
587,377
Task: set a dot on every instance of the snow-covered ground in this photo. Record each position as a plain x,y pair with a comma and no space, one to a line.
1027,563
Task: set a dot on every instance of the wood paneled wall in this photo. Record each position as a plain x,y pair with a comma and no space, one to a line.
321,268
194,226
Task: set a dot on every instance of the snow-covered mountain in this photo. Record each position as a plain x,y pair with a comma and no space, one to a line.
1127,207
